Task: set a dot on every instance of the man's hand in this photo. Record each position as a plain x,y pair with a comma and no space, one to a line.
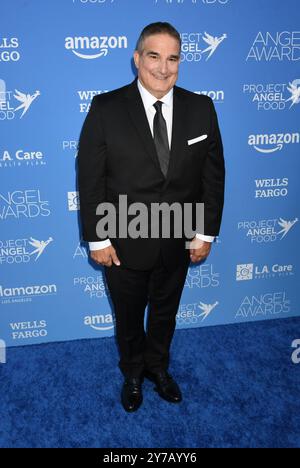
199,249
106,256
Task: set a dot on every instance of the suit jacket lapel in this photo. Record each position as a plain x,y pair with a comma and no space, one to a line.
139,118
178,132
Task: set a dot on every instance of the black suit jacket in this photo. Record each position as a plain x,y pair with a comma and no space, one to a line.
117,156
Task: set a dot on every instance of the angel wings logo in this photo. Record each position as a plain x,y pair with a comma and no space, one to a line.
213,43
26,100
206,309
294,89
17,251
286,226
193,49
8,111
39,246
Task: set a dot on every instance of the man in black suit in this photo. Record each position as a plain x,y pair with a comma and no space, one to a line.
155,143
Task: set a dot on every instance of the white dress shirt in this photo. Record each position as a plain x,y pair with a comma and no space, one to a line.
167,110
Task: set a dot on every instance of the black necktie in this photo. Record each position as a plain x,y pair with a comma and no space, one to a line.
160,136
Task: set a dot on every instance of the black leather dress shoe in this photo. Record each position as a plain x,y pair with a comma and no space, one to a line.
131,395
166,386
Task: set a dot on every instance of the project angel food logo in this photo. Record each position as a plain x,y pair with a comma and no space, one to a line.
266,230
264,305
275,46
15,103
101,322
197,46
269,143
274,96
93,47
92,286
16,251
193,313
249,271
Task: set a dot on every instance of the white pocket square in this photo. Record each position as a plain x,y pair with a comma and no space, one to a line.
195,140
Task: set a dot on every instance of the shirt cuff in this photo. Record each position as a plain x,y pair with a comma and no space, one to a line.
205,238
99,244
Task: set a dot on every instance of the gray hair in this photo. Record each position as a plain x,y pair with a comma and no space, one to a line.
157,28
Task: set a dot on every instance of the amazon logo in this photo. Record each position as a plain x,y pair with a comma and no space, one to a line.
269,143
90,48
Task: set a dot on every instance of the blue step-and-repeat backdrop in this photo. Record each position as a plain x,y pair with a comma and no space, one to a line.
55,55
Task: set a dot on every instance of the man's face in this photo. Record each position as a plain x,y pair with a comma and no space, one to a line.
158,64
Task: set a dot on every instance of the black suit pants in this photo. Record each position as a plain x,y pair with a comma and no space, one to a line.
131,290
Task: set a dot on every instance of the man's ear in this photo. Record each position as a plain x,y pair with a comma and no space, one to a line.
136,58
